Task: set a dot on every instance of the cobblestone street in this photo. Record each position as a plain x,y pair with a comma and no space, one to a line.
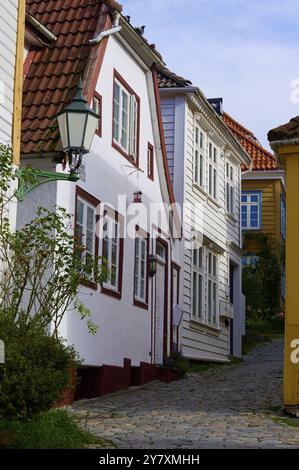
227,407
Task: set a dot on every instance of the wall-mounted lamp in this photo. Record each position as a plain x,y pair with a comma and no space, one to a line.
137,197
152,265
77,126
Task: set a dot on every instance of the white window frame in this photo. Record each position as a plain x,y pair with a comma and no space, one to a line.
199,158
125,119
139,276
109,239
212,171
212,307
230,188
197,302
250,204
85,229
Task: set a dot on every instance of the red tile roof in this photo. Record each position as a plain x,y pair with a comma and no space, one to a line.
260,157
55,69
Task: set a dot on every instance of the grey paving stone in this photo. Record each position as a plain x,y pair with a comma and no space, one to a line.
229,407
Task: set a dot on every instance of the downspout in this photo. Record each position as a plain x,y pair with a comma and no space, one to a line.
109,32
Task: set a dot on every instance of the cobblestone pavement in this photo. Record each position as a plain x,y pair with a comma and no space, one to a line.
228,407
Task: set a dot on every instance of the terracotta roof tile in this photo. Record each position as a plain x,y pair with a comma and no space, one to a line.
168,79
260,157
55,70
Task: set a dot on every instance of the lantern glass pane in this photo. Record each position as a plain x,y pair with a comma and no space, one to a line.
62,123
92,125
76,129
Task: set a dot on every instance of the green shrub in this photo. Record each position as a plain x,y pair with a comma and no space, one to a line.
55,429
35,372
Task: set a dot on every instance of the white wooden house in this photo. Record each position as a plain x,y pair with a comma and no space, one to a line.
205,161
118,67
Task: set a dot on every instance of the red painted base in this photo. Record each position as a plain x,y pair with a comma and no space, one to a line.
95,382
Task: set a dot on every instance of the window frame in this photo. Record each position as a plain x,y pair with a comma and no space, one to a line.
99,98
150,161
198,271
230,188
93,202
212,163
137,300
199,158
116,144
116,218
213,279
249,204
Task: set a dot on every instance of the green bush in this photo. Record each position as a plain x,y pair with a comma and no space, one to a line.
35,372
55,429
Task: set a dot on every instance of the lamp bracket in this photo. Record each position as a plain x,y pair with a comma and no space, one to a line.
30,178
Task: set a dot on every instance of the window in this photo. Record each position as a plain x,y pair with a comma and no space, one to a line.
97,108
212,290
197,284
250,260
198,166
229,189
251,203
140,268
125,119
112,252
150,161
282,217
85,229
212,171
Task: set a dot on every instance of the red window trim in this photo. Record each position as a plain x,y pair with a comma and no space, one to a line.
100,99
117,294
131,159
94,202
150,162
136,302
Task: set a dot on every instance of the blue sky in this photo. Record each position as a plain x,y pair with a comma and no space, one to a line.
246,51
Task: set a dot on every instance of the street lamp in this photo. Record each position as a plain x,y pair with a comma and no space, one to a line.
77,126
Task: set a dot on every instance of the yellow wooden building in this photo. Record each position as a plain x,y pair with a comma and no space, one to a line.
284,141
263,197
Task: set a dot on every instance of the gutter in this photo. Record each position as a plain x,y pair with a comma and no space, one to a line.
42,29
281,143
109,32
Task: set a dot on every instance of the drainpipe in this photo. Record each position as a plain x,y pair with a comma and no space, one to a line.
109,32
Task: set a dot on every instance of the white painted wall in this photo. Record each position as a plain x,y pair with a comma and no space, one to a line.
180,116
8,36
124,329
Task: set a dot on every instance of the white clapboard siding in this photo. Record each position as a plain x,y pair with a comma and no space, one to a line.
200,341
8,36
168,116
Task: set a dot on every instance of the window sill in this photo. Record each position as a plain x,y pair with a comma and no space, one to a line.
111,292
203,327
212,201
138,303
131,159
231,218
87,283
199,189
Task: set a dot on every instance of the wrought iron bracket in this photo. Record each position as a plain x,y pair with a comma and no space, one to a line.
29,179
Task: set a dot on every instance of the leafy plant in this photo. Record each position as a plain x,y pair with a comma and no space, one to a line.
41,269
261,283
